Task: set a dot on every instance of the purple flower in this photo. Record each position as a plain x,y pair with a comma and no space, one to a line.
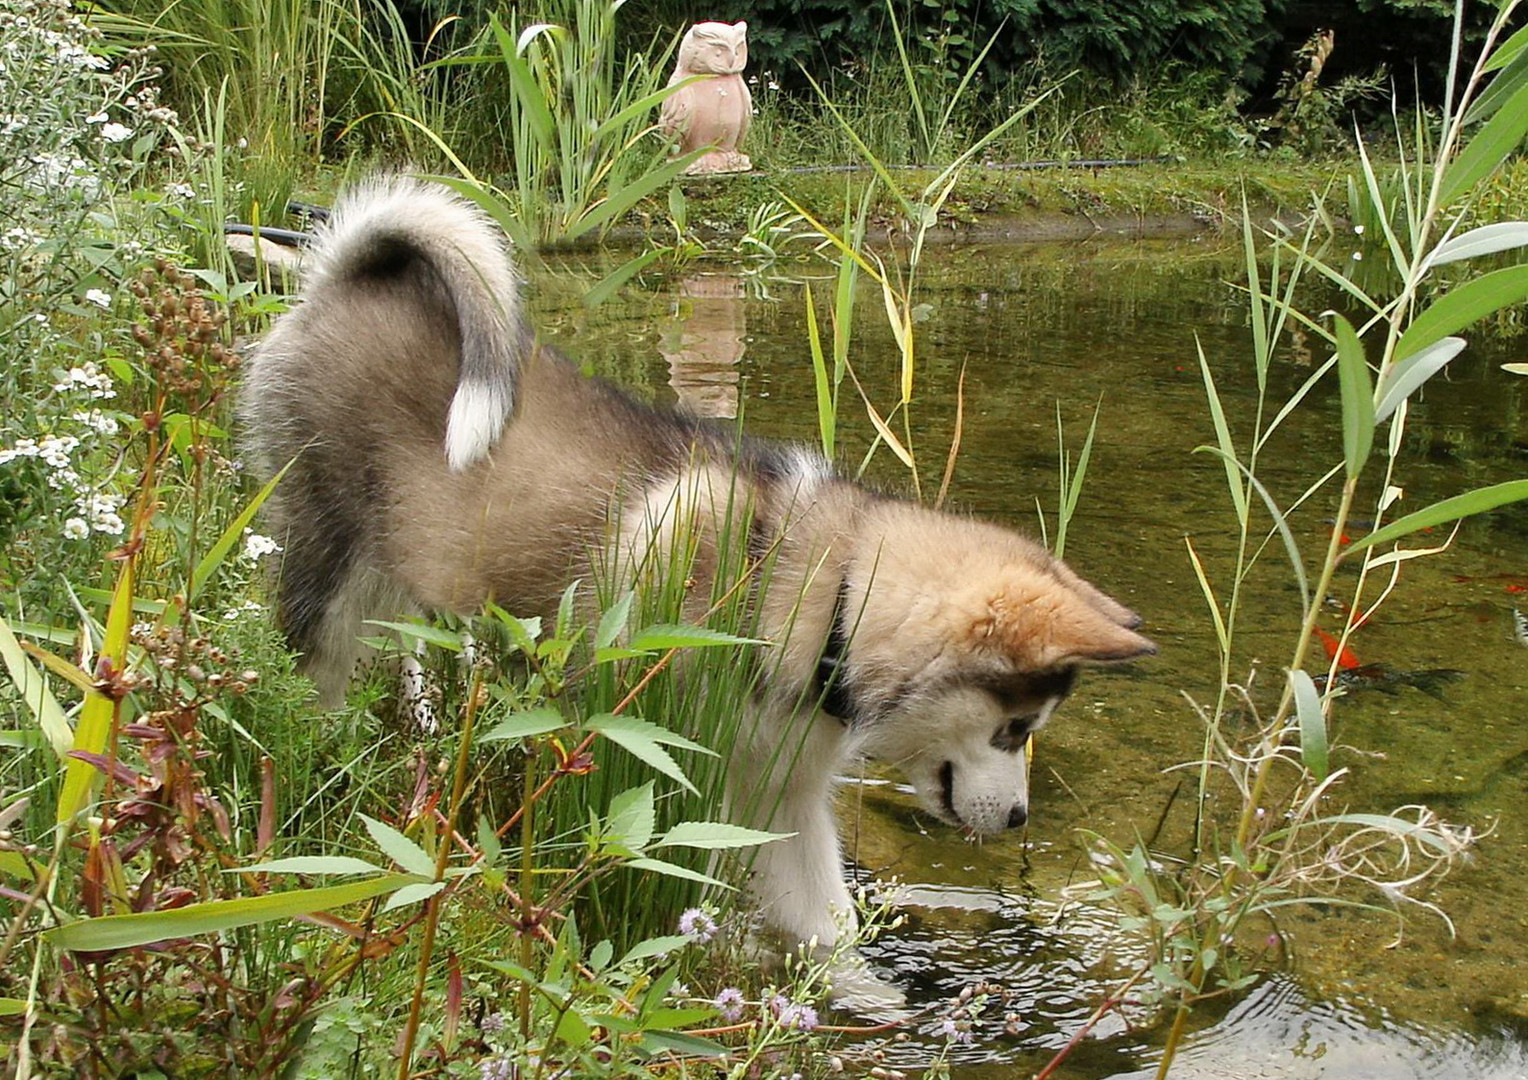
493,1022
730,1004
954,1032
799,1017
497,1068
697,925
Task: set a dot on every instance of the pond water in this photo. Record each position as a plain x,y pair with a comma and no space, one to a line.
1113,324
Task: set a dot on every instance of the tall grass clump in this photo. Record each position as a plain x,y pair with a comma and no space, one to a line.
1270,829
572,122
293,75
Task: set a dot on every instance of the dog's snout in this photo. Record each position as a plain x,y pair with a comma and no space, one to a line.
1018,816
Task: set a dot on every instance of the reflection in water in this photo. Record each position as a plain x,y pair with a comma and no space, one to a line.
703,341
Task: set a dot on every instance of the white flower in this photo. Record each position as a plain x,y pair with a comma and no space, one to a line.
116,132
1358,256
89,377
180,191
76,529
99,297
97,118
110,524
257,547
23,448
97,421
247,606
1359,229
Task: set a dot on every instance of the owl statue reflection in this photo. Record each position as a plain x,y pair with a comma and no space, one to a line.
712,111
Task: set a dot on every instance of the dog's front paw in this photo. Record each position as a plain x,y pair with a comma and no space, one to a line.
858,989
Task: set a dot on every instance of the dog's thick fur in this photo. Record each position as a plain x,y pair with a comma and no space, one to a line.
441,458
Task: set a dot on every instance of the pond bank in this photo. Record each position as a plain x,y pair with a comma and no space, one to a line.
1003,203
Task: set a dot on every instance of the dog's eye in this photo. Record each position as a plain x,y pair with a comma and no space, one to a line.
1013,734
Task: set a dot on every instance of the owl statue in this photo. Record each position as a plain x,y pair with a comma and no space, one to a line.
713,110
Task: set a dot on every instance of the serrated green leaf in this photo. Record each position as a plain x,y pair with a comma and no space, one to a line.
1405,376
523,725
1440,513
715,836
1463,305
658,866
613,621
1357,398
416,893
632,818
311,864
399,848
215,916
1313,744
606,722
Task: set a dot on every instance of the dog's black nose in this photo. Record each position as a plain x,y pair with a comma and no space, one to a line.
1018,816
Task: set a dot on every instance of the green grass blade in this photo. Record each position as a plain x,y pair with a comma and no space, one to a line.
614,281
1357,398
93,728
1223,435
32,685
827,413
219,551
1221,634
1440,513
1280,522
216,916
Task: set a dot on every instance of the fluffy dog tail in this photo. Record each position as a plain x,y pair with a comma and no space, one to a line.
408,339
385,223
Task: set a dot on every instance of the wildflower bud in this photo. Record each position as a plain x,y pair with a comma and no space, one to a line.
215,680
239,688
249,676
195,673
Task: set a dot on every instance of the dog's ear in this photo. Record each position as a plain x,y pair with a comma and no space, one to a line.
1057,628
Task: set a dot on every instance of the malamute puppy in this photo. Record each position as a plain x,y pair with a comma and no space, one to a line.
443,458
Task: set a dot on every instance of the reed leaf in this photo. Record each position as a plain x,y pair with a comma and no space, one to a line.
1463,305
216,916
1439,513
1357,398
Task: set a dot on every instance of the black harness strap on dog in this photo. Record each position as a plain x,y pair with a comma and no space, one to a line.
833,691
